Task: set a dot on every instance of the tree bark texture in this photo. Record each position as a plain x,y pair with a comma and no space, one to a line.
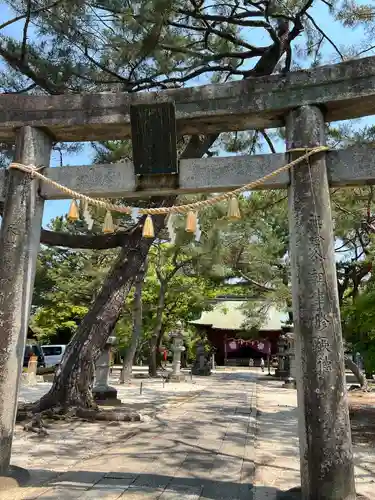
19,242
325,436
154,341
137,326
73,380
81,241
359,375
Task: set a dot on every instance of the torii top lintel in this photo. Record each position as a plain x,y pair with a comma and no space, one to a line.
345,90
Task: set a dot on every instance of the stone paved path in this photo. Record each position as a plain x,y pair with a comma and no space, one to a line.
204,449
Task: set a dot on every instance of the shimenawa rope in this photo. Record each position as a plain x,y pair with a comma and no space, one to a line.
175,209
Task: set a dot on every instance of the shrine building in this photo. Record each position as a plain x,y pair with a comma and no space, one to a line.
232,335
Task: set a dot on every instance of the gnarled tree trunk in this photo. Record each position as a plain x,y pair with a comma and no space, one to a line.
137,326
359,375
73,380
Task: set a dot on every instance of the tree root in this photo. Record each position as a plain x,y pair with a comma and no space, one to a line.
364,388
36,425
108,415
36,421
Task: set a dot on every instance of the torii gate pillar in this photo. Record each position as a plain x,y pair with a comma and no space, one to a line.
19,244
327,470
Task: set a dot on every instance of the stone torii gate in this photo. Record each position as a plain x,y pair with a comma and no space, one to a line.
303,101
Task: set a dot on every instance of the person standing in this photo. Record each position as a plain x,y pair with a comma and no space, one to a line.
262,364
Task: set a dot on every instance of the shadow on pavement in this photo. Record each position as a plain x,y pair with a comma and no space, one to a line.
81,484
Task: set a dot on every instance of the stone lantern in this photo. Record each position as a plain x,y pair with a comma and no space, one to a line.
102,391
282,353
177,349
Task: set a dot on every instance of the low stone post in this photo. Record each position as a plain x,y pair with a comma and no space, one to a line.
102,391
31,370
177,349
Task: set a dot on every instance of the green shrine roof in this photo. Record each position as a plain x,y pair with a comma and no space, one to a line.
230,315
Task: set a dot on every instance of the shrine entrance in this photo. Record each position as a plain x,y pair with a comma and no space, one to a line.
302,101
239,352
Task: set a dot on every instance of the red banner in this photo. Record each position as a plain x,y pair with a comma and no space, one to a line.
262,346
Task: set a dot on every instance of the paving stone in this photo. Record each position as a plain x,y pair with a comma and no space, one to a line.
227,468
245,492
220,491
120,475
111,483
142,493
152,481
178,492
62,494
81,478
247,471
196,451
96,494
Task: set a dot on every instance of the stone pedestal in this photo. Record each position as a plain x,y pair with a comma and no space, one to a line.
102,391
177,349
282,371
180,377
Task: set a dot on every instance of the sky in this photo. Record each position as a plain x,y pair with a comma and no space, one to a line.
337,33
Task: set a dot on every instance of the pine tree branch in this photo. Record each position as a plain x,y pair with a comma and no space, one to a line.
84,241
278,47
208,30
249,280
25,30
23,67
324,35
268,141
239,19
253,52
26,89
29,14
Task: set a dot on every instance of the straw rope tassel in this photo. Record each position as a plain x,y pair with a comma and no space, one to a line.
148,228
73,213
234,212
191,222
108,226
233,209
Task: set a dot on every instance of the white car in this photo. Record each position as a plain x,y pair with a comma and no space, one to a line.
53,354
